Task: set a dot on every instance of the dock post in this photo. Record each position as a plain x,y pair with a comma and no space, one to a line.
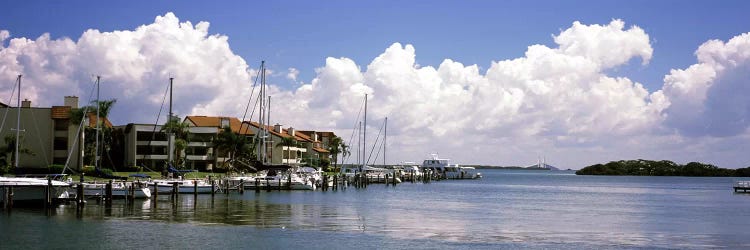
174,190
257,185
9,198
108,193
241,187
195,188
213,187
132,193
289,181
226,186
156,191
268,185
79,193
48,193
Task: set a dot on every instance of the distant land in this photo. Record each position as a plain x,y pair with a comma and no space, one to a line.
532,167
642,167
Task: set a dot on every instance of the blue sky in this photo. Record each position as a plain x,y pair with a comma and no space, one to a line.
301,34
587,94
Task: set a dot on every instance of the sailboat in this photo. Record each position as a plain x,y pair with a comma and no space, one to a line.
29,190
119,189
271,175
183,186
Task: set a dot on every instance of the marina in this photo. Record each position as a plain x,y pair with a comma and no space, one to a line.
504,209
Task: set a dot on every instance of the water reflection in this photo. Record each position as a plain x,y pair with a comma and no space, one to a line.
504,207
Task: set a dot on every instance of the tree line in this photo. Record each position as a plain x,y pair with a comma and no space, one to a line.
661,168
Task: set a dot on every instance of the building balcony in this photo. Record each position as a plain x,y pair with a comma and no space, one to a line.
152,143
151,157
200,144
199,157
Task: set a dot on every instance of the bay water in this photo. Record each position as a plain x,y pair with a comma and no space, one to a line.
505,209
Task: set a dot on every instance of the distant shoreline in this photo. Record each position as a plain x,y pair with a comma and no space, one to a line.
508,168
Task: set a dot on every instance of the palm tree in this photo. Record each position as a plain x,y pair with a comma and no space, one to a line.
77,115
180,130
7,152
335,148
237,147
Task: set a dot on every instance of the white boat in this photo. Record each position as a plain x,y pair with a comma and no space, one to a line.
409,170
183,186
274,179
450,171
246,181
119,190
380,175
314,175
32,189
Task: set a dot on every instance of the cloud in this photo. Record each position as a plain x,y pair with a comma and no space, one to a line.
709,98
135,66
4,34
292,74
560,93
557,101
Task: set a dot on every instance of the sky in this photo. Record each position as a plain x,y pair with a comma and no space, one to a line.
479,82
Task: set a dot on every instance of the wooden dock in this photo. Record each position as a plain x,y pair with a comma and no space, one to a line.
741,186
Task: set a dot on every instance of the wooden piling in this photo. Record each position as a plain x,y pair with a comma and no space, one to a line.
79,193
48,193
213,187
257,185
9,198
175,190
195,188
241,188
156,191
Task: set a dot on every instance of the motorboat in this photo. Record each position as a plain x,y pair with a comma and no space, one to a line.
119,190
165,186
449,171
32,189
276,179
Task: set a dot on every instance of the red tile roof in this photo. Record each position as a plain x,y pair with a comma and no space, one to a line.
92,120
60,112
215,121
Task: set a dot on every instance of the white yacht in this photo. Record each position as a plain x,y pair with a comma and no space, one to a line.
278,179
119,189
165,186
31,189
380,175
451,171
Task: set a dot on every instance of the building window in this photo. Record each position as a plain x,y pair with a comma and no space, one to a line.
61,143
62,125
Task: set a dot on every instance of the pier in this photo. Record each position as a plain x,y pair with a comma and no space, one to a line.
741,186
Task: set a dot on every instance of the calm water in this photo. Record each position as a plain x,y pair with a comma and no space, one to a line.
506,209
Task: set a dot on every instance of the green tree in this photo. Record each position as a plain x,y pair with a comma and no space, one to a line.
8,154
238,149
180,131
337,146
105,135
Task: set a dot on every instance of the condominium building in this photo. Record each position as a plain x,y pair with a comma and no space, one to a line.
47,134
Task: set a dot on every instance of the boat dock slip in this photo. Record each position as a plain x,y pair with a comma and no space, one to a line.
742,186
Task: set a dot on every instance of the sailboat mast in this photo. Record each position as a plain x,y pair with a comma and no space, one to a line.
262,114
96,151
18,122
170,138
268,124
385,137
364,134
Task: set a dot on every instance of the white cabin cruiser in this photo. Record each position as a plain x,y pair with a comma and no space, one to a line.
450,171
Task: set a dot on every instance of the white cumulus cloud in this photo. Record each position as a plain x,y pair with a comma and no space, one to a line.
557,101
710,97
